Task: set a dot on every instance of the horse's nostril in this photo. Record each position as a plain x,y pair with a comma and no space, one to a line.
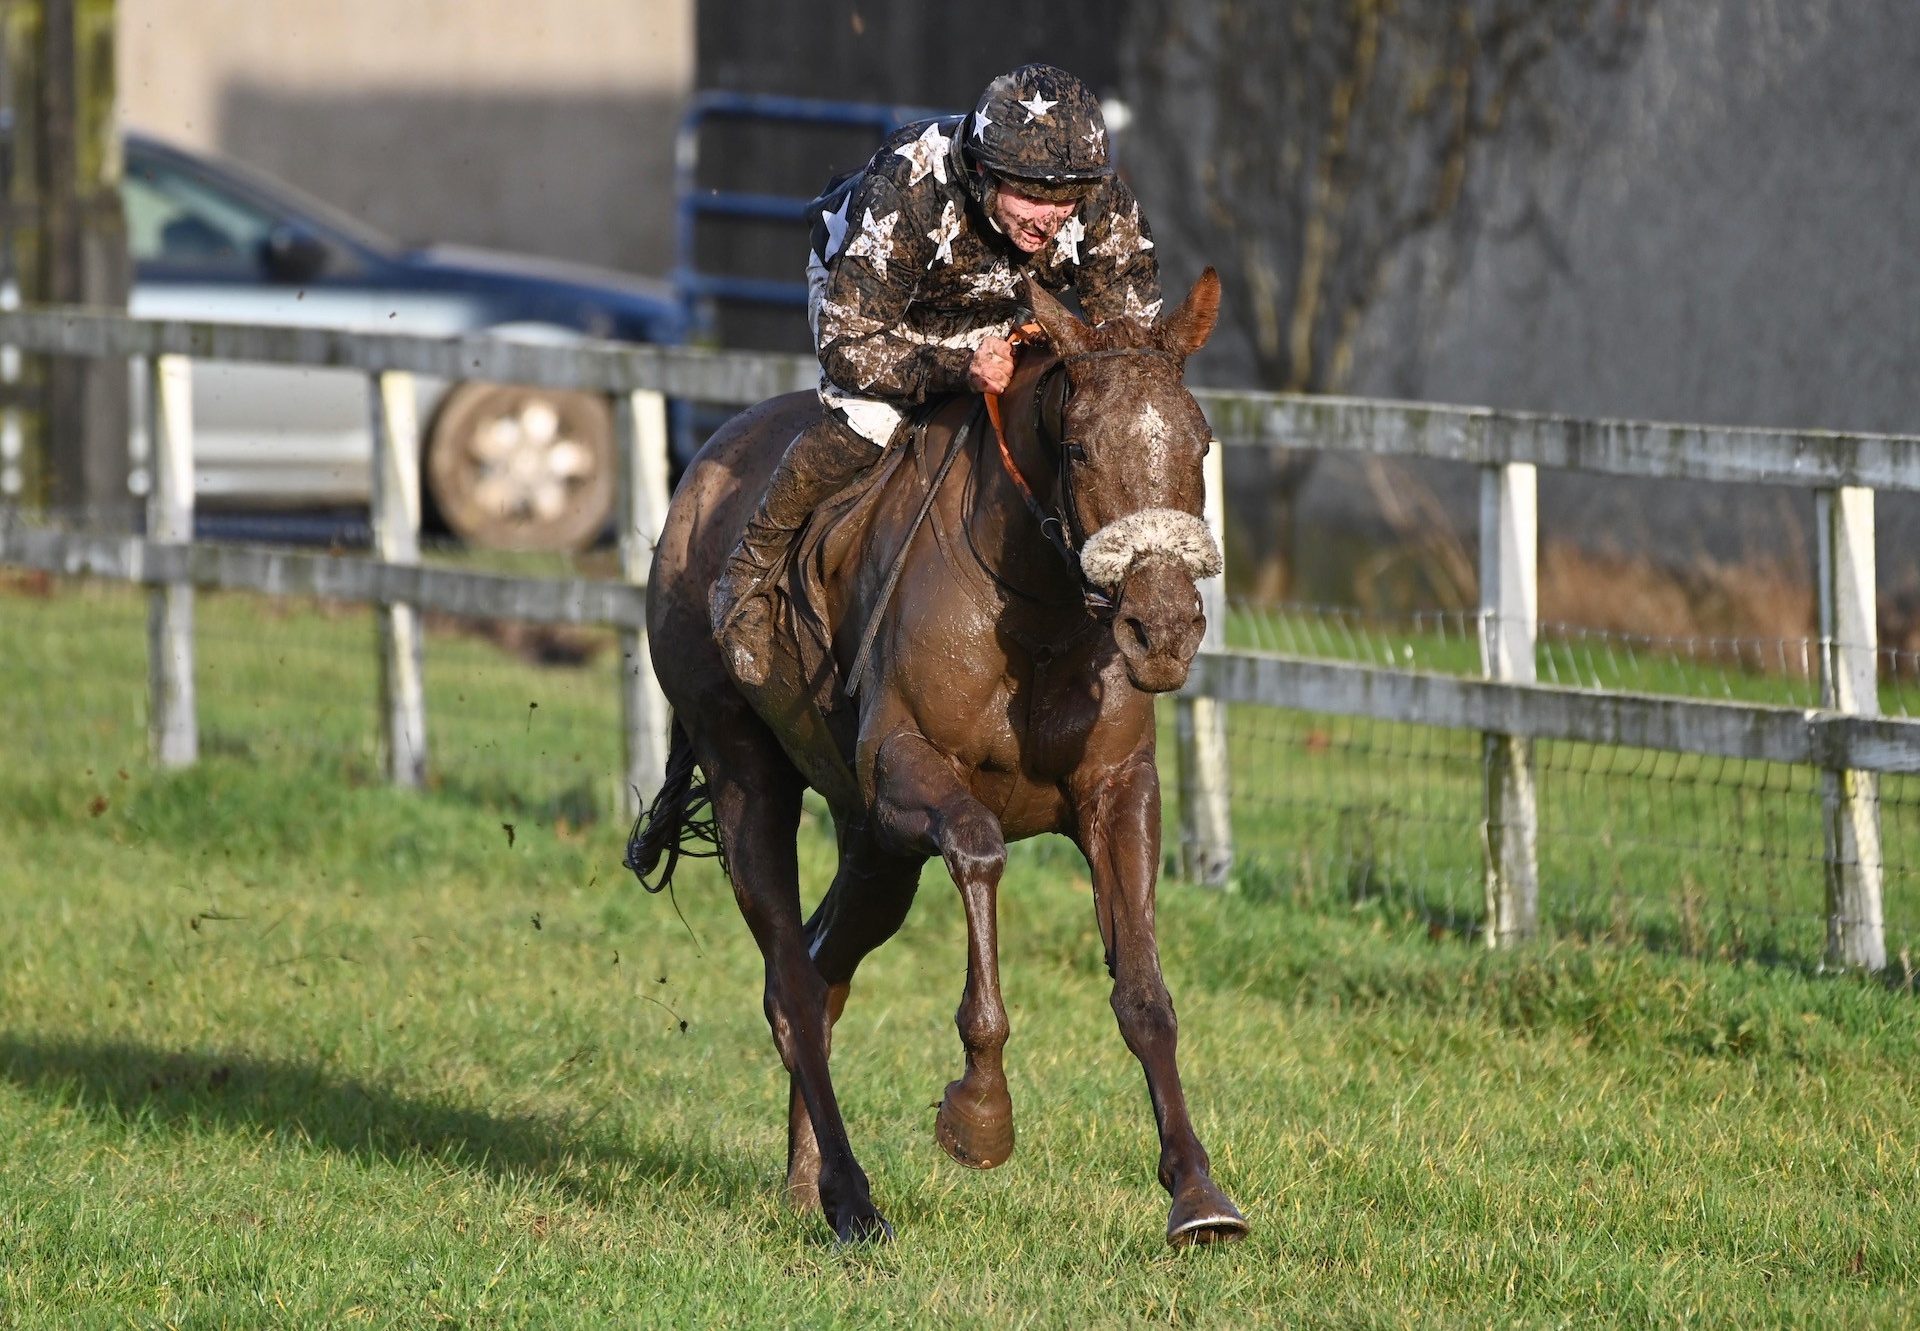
1139,632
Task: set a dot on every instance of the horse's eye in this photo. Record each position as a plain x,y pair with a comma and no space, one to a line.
1075,452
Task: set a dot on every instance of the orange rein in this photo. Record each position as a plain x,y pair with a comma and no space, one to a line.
1052,526
1025,333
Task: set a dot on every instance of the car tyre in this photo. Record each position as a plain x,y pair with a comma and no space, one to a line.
515,467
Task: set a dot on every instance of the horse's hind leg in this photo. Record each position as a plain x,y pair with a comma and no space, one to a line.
866,906
756,798
803,1148
921,804
1120,833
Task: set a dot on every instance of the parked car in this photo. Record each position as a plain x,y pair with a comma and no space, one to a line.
503,465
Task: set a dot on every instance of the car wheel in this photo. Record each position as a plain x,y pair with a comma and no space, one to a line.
521,468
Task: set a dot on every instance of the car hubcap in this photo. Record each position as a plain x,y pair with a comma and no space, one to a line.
527,463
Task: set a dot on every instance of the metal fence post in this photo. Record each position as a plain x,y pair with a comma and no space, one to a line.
640,427
173,727
1849,682
1509,620
396,540
1200,726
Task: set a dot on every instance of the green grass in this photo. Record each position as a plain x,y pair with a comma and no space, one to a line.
282,1046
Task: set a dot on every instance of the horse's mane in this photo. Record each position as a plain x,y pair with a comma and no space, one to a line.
1122,333
1125,333
1178,334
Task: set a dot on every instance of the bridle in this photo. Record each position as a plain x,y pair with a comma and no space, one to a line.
1057,524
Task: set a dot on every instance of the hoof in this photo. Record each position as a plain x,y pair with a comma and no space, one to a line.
979,1137
1202,1214
869,1227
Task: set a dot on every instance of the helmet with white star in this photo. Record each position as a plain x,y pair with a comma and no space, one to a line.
1040,129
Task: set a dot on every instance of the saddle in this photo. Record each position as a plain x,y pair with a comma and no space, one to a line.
829,649
840,529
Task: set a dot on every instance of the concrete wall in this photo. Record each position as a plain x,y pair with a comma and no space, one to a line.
1732,243
544,127
1712,221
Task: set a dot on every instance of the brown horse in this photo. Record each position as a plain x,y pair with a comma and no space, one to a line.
1047,595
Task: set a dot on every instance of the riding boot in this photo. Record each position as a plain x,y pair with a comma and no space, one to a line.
819,462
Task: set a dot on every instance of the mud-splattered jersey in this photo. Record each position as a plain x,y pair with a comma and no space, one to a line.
916,271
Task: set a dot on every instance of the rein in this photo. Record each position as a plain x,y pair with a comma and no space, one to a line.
954,449
1056,526
1052,525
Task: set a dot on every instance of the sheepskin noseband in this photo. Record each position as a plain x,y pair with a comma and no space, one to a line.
1164,532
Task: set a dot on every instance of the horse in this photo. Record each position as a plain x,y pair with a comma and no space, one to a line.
1011,615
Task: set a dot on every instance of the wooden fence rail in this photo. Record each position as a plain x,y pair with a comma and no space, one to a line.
1844,738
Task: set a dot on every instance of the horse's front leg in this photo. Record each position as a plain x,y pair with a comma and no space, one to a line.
921,806
1120,833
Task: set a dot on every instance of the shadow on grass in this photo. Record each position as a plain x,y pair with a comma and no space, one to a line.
116,1081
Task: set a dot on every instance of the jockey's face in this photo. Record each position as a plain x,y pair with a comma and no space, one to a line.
1029,222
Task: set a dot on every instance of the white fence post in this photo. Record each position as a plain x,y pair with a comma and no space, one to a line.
13,437
173,727
1509,620
396,540
1200,726
640,428
1850,682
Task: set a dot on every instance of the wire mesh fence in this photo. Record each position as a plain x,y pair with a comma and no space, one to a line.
1711,856
1782,671
1708,856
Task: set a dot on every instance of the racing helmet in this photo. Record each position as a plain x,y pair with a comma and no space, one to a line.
1040,129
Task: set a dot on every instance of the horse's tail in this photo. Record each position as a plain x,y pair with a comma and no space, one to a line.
678,820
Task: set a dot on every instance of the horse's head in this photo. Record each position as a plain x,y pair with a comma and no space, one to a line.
1130,440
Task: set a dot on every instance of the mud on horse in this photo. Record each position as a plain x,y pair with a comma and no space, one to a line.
1047,595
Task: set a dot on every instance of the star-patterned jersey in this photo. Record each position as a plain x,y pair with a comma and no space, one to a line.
917,275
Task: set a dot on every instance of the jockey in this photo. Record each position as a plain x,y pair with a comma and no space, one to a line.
915,278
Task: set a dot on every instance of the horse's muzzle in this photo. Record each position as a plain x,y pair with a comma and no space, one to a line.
1157,624
1150,561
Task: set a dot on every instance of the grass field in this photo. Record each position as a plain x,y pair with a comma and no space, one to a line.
282,1046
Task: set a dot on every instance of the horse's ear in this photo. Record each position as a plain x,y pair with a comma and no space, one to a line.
1063,328
1191,325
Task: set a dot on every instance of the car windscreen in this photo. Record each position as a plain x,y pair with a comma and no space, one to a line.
219,209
